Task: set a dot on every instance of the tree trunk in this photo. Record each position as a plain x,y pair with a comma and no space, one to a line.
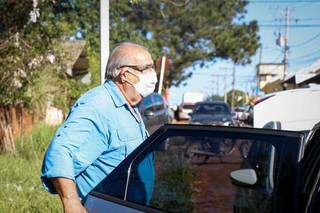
6,138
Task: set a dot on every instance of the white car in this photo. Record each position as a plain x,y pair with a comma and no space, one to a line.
185,109
296,109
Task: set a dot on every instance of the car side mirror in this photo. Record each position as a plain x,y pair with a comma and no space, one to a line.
190,113
243,177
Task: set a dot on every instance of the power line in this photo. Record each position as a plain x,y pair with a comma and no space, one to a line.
277,58
293,26
307,41
284,1
222,75
307,60
309,19
293,20
307,55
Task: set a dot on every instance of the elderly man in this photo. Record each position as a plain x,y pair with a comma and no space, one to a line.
102,128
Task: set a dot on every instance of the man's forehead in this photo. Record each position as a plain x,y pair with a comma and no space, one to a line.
141,57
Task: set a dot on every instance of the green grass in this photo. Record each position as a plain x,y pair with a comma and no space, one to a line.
20,186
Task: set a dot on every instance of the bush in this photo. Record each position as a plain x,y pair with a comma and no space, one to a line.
21,187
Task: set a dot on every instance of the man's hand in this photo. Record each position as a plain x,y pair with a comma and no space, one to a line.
68,195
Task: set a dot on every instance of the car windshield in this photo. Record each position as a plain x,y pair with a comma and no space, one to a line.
211,109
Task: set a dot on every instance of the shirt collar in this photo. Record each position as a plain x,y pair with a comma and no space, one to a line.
115,93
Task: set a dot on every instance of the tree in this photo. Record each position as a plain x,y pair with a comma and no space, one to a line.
194,32
239,98
189,32
30,56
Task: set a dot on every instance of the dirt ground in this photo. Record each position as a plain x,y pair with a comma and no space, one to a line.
214,191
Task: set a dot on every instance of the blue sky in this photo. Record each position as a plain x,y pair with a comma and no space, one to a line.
304,45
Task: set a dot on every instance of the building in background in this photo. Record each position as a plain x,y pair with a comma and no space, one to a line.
269,76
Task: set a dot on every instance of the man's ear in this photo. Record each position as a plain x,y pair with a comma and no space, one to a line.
122,75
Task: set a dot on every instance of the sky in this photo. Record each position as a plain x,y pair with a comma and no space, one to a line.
304,44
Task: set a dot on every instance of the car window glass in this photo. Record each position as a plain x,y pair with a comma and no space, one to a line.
211,109
148,110
187,106
158,107
146,102
192,174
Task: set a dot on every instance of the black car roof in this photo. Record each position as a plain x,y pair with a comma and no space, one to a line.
212,102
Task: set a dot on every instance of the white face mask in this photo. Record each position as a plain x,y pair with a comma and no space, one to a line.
146,84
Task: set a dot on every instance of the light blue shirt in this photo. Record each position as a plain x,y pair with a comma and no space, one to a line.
100,131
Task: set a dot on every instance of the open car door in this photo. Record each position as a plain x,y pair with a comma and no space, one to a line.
187,168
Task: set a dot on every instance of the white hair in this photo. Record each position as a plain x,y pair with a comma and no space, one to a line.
119,58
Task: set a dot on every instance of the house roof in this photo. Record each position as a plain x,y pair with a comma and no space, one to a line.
75,57
305,73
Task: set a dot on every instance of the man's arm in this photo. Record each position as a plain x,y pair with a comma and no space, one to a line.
67,191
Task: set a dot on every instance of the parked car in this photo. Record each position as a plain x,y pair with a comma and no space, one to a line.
185,109
154,112
212,113
241,113
252,182
296,109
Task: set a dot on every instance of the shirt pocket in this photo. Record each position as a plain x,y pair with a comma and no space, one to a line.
127,134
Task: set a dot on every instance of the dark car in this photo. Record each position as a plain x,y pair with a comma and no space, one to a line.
280,173
212,113
154,112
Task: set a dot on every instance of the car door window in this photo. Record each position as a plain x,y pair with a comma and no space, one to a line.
149,109
192,173
196,169
158,107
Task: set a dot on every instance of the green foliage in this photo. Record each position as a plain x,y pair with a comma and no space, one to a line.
21,187
193,32
24,48
239,98
189,32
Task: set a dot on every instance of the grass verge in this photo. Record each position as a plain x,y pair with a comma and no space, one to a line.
20,186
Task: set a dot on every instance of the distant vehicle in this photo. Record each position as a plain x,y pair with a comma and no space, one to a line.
212,113
244,115
192,97
296,109
188,100
185,109
241,113
280,173
154,112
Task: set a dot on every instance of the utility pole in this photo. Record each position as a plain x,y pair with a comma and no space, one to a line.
162,69
286,45
233,84
104,37
258,72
